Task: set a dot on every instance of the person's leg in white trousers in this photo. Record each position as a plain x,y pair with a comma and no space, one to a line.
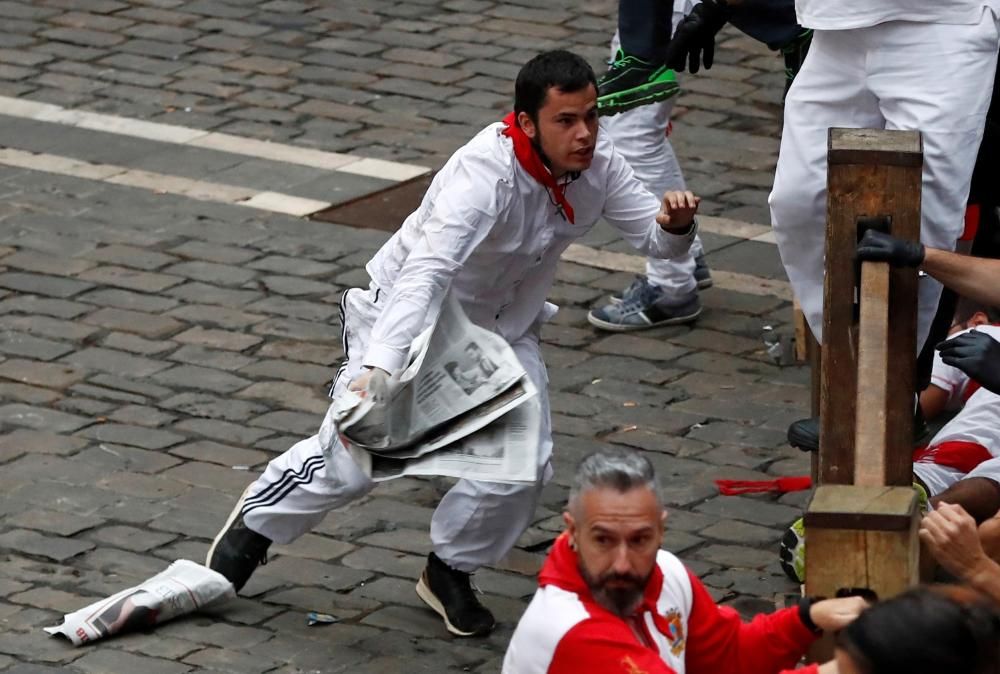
475,524
933,78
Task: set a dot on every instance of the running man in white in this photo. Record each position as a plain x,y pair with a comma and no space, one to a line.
490,229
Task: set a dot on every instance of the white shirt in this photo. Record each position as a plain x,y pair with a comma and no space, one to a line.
492,234
846,14
979,420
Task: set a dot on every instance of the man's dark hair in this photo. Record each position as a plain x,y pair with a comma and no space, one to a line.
561,69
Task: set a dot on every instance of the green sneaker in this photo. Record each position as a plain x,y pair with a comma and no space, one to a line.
792,554
631,82
923,500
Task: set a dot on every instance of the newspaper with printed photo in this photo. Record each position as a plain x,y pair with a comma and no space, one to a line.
183,587
453,367
455,410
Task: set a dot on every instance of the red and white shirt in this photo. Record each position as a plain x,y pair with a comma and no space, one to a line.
972,438
564,631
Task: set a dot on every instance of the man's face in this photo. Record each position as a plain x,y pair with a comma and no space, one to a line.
566,128
617,536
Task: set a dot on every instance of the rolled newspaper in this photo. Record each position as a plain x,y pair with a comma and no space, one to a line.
181,588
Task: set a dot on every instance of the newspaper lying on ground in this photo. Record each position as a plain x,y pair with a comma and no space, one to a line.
183,587
462,407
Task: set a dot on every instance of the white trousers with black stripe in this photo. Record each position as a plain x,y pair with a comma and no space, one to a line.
474,525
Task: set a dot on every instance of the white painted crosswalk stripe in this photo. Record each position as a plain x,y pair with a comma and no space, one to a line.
209,140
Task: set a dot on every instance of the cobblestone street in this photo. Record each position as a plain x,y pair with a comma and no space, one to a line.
170,316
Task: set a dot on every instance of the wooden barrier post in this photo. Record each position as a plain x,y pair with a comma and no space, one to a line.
874,176
861,525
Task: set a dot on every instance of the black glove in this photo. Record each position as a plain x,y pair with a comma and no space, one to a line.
977,355
877,246
694,39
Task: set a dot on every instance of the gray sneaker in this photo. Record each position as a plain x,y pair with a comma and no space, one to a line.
642,309
702,274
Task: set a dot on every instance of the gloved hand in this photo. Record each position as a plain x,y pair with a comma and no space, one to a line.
977,355
694,38
877,246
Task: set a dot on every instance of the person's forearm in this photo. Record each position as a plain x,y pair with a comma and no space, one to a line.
987,580
976,278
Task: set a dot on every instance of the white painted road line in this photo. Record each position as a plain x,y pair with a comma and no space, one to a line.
209,140
161,183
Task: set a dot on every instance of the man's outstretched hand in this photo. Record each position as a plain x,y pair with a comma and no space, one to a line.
677,212
694,39
977,355
877,246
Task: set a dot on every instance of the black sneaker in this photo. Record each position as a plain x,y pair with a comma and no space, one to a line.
631,82
237,551
450,594
804,433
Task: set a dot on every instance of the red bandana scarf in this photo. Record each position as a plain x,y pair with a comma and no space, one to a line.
528,157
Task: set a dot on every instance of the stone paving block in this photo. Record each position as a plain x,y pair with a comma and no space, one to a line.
39,418
304,310
31,395
143,486
750,510
128,300
386,561
287,395
216,316
222,430
331,576
41,284
189,524
39,647
46,264
412,620
130,538
137,436
33,543
211,272
220,339
210,252
737,556
191,376
129,256
142,388
225,455
141,415
409,540
108,660
737,434
197,292
41,305
208,475
637,347
148,325
130,279
156,645
294,423
114,457
741,532
214,407
301,373
54,522
55,600
210,358
46,327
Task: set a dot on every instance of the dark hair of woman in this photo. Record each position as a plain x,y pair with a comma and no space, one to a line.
944,629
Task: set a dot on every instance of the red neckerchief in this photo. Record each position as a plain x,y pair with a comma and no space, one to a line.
528,157
562,569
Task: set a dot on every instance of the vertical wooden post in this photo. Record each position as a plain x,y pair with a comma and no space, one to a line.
873,175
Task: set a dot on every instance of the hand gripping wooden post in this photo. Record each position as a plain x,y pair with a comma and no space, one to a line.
861,525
